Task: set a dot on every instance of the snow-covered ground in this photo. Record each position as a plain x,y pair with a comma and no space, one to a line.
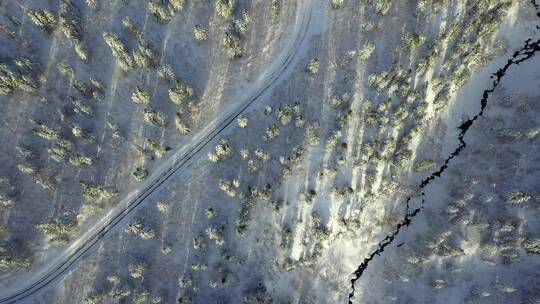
230,83
354,103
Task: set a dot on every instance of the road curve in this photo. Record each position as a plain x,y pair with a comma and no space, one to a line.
179,159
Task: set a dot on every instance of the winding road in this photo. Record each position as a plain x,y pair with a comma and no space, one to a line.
52,271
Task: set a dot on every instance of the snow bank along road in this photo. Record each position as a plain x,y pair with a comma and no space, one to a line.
276,70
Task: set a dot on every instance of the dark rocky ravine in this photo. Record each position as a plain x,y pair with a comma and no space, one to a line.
525,53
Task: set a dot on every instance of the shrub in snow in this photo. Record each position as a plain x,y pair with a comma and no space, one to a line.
165,72
320,233
120,293
145,57
225,8
286,236
531,245
154,117
139,96
180,93
345,117
199,266
25,63
79,107
58,153
299,122
71,26
91,3
412,41
262,155
242,121
95,299
231,42
284,114
163,207
423,165
44,181
194,110
244,153
28,169
272,132
252,165
366,51
159,151
119,50
137,270
8,261
291,160
313,66
166,249
401,158
275,9
58,230
216,234
181,125
185,282
212,212
341,193
503,287
96,193
337,100
96,83
517,197
140,174
242,225
24,152
65,70
6,197
132,28
227,187
115,129
427,62
421,6
140,296
241,25
80,160
139,230
221,151
42,19
11,82
113,279
312,136
381,6
337,3
164,10
176,5
244,220
200,32
308,196
93,88
227,278
198,244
